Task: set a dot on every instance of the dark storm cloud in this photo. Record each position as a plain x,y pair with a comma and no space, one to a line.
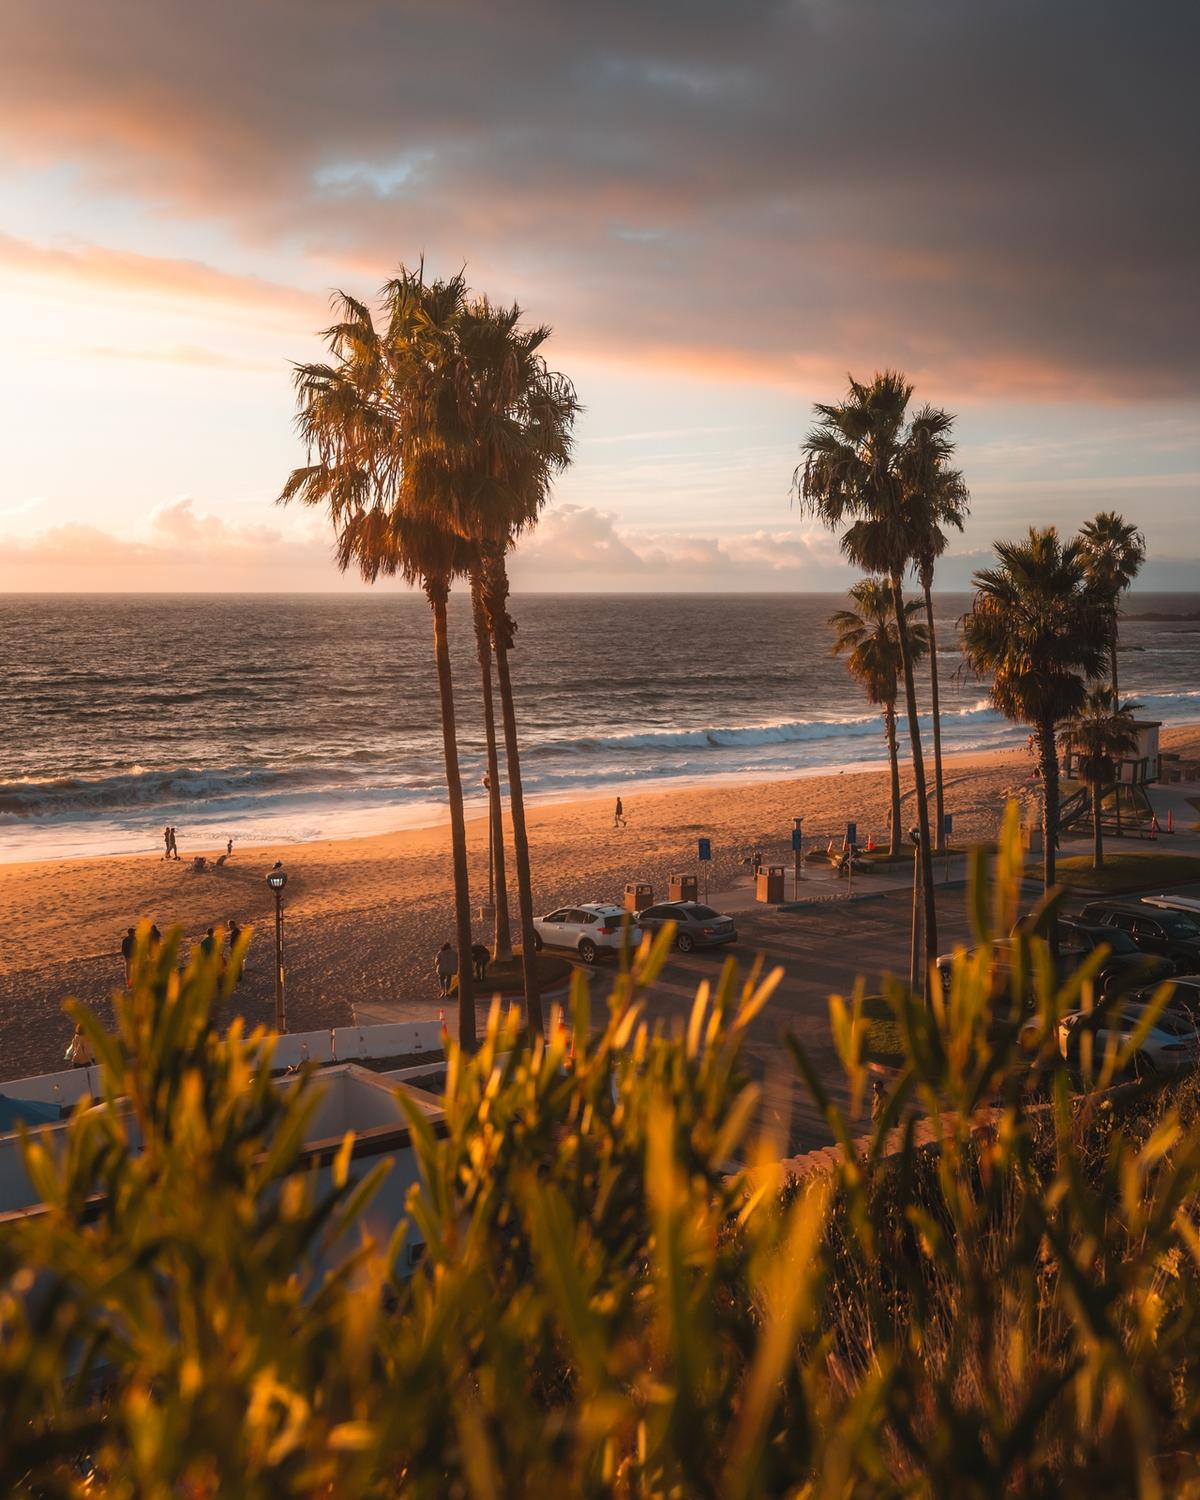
999,194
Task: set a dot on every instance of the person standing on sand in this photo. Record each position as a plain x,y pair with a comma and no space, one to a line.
228,846
127,943
174,844
619,819
167,841
208,944
445,966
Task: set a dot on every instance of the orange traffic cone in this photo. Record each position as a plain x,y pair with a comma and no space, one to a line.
1153,826
1170,820
442,1024
870,842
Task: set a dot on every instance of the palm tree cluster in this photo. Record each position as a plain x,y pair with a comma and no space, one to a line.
1043,627
434,434
885,479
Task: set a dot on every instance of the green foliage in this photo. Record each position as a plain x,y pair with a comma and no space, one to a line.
622,1292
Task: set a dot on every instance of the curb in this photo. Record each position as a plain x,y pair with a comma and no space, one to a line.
838,900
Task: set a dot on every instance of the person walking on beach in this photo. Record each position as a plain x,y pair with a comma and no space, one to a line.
79,1050
619,819
446,967
480,958
127,943
167,841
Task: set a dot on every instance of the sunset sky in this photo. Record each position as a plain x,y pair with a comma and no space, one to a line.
721,207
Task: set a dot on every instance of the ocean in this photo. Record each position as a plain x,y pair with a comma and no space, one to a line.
279,717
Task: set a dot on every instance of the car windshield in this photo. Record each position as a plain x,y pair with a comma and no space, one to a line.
1181,927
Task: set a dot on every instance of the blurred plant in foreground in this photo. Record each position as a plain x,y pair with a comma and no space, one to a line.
623,1290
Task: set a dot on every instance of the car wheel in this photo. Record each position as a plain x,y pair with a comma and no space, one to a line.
587,951
538,945
685,942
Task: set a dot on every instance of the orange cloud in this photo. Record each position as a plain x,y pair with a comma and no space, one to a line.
130,274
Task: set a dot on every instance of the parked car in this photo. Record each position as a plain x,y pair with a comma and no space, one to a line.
697,925
1123,965
1190,905
1171,1042
1185,995
590,929
1171,934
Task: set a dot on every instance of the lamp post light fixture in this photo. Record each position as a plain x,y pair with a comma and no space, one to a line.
277,879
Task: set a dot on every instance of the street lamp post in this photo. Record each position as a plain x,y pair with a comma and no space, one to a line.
277,879
914,959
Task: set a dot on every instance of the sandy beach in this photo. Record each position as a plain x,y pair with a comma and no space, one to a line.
364,916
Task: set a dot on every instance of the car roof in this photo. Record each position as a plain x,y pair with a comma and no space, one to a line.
603,907
1134,908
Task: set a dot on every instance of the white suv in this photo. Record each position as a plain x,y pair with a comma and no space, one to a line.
587,929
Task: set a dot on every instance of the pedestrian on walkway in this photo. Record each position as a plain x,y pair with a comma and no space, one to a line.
79,1050
445,966
480,958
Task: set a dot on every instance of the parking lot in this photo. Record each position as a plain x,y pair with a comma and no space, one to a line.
822,949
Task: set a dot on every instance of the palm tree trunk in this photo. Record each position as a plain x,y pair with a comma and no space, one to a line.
437,592
1048,754
929,899
1112,653
502,931
501,628
1097,828
889,720
939,790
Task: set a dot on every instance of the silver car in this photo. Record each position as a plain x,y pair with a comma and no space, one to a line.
590,928
696,925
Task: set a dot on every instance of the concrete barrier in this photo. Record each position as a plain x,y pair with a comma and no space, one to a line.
55,1088
295,1048
397,1039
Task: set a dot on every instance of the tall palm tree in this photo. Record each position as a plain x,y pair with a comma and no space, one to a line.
512,435
1114,551
502,931
857,473
1102,732
368,422
1037,630
868,633
938,499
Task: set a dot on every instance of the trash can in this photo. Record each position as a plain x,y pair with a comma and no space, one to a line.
1033,838
683,888
768,884
638,896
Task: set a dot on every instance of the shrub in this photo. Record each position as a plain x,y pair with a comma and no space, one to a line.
605,1307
